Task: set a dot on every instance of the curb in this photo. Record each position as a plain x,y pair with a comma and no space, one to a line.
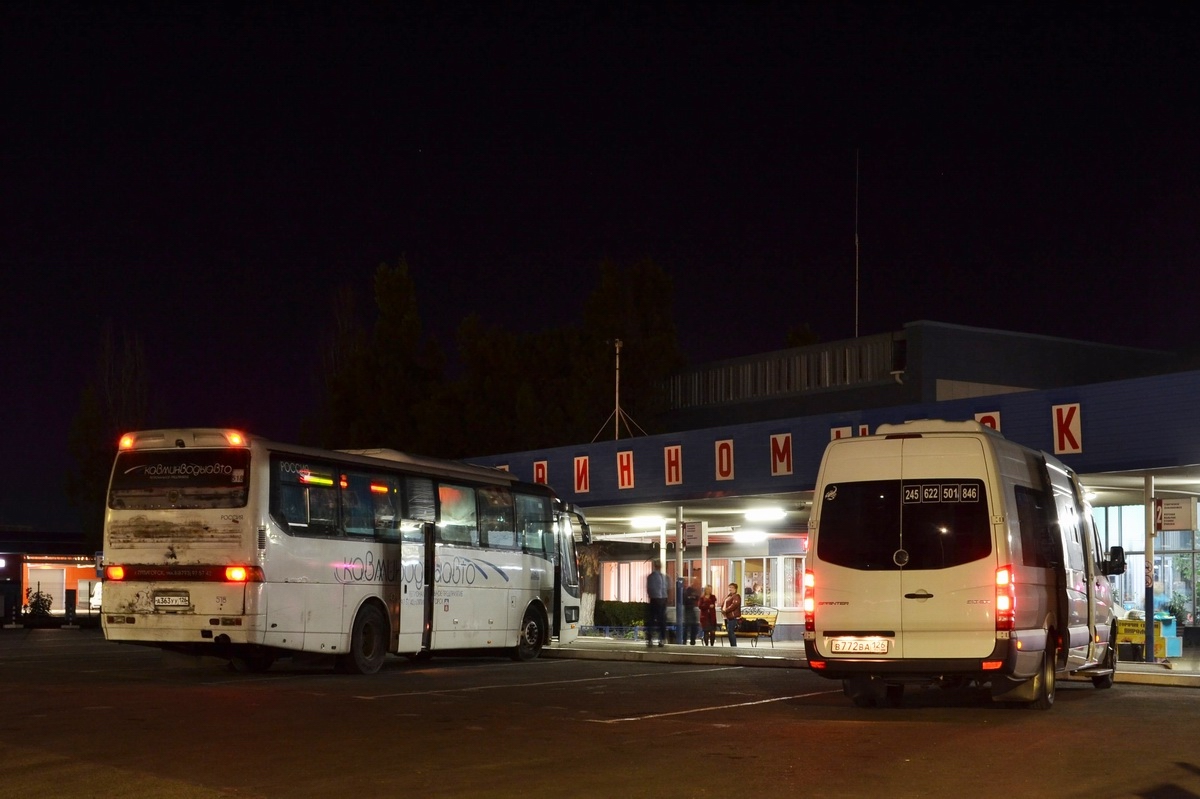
1161,674
690,658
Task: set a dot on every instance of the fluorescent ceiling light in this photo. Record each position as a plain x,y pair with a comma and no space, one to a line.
765,514
749,536
646,521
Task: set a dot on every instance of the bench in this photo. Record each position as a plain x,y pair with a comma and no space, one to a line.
756,622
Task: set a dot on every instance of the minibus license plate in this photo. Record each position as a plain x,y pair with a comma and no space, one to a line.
175,600
872,646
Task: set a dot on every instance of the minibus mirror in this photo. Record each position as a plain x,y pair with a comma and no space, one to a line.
1115,564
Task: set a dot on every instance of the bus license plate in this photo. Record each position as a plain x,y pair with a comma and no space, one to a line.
177,599
871,646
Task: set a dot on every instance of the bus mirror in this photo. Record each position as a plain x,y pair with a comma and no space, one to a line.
1116,561
585,532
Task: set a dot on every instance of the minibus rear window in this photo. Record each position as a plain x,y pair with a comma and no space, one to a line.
937,523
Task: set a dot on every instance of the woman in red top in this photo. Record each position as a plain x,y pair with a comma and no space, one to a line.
708,615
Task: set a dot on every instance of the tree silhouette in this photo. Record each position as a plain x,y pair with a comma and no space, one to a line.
375,387
115,401
634,305
514,392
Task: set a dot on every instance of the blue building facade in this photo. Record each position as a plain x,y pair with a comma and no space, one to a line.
1115,415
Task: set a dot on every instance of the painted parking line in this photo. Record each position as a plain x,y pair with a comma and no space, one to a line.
544,683
650,716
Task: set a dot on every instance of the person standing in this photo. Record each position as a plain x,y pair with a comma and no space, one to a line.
731,608
708,615
691,611
656,590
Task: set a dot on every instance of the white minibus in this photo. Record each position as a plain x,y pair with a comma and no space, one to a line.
941,552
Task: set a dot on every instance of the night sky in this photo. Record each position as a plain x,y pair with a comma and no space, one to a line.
206,175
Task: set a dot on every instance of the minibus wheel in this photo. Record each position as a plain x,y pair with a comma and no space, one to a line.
1043,698
895,694
1104,681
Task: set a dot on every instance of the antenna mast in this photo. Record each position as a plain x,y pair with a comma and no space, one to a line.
617,405
618,415
856,242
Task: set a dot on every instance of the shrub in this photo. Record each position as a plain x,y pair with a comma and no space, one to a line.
37,603
1178,607
619,614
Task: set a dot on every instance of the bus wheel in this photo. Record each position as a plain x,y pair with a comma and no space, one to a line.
529,640
253,662
368,642
1043,698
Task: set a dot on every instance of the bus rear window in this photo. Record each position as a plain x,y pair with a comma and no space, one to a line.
185,478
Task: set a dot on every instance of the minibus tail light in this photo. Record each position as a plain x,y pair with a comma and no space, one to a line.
810,623
1006,599
114,572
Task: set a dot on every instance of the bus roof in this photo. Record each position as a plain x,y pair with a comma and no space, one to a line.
214,437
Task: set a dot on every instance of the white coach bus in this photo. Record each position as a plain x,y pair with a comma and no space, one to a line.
219,543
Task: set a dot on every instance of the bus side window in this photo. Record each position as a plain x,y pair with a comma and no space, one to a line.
387,520
533,522
412,531
496,526
422,504
322,511
457,518
357,506
293,508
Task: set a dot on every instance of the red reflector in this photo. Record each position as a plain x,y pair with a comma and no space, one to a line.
114,572
992,665
816,664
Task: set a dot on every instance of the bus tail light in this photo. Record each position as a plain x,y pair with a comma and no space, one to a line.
243,574
810,622
236,573
1006,598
